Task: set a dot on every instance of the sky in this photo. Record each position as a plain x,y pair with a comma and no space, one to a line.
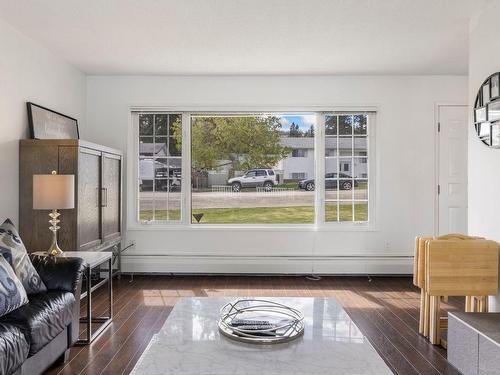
303,120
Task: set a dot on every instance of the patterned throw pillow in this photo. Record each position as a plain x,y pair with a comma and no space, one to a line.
13,250
12,293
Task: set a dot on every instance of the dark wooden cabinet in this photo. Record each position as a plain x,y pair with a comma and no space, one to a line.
95,222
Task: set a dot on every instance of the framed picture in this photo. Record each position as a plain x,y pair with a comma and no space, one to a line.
494,110
486,93
45,123
495,87
480,114
495,135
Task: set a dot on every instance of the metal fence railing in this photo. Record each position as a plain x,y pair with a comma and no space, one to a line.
275,191
223,189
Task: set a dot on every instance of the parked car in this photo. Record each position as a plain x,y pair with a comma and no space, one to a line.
345,182
253,178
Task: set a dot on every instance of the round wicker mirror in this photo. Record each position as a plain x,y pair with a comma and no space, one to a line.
487,112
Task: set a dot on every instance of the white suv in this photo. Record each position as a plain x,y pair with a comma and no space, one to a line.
253,178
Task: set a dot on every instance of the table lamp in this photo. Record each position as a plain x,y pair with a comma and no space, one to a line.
53,192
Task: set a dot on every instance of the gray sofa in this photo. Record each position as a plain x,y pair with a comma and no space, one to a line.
41,332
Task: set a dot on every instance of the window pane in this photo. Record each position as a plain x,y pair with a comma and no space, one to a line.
175,135
360,168
161,168
253,169
174,208
145,124
331,125
331,178
175,124
331,146
345,211
146,170
161,127
360,146
345,167
331,187
361,211
161,205
360,122
160,147
146,146
331,212
146,200
361,189
345,125
345,146
174,147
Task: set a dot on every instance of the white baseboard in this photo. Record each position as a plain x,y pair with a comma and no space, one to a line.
267,265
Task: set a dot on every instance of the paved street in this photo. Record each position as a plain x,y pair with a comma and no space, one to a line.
245,199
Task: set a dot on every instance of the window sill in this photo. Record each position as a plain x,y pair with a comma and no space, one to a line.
326,227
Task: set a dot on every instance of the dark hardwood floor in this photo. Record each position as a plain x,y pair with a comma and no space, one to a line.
385,309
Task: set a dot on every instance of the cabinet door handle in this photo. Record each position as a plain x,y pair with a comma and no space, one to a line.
104,197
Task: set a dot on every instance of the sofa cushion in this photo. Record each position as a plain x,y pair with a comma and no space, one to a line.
46,315
13,348
12,248
12,293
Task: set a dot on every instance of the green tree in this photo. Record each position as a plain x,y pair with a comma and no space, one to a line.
310,132
295,130
246,142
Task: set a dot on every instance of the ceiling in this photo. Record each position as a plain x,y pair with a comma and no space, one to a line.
251,36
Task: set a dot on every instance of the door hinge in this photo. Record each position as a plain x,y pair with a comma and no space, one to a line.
439,127
439,189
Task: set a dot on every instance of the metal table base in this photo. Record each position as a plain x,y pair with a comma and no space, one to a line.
89,319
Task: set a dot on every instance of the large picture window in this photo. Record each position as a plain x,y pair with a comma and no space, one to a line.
249,168
254,168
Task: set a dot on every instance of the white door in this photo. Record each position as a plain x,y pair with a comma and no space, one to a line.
452,169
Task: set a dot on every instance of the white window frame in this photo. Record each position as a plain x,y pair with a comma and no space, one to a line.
372,161
319,158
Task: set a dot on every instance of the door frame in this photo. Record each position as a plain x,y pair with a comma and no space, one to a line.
437,106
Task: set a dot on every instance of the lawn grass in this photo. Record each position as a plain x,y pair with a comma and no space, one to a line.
360,212
288,185
264,215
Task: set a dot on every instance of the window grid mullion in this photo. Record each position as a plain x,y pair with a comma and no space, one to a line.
352,167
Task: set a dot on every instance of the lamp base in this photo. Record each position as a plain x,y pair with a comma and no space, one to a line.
54,248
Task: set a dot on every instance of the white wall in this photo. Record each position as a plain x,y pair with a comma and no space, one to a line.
484,163
405,169
28,72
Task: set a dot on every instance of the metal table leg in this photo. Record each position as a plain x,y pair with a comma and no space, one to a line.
105,320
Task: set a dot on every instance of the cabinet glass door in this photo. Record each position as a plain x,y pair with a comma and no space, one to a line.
111,190
89,189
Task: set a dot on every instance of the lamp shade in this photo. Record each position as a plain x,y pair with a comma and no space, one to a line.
53,191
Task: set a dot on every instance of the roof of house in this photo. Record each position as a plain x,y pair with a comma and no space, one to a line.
151,148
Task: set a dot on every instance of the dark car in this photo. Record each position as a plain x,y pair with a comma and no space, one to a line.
345,182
